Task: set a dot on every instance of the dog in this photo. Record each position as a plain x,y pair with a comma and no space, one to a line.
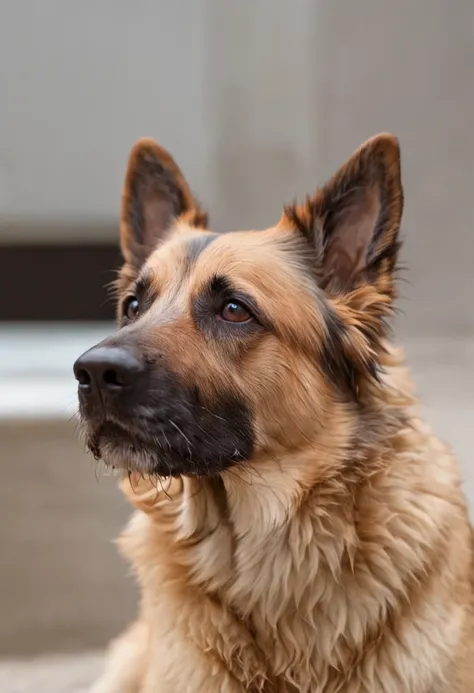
298,527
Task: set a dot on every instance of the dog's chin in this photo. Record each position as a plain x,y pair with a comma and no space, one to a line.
121,449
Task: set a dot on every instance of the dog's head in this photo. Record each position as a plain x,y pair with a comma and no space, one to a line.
237,345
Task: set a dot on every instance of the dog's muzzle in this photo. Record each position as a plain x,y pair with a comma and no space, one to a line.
139,415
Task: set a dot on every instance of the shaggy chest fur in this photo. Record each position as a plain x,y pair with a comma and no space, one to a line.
358,589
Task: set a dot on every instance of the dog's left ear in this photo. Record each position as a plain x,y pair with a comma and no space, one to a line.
351,226
352,223
155,194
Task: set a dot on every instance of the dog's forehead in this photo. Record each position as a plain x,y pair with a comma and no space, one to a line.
241,255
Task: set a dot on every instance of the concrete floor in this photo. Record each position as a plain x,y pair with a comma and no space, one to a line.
53,674
63,587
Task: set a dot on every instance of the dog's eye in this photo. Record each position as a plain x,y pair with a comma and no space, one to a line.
131,308
233,311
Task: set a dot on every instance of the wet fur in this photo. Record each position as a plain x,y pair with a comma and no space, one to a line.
339,557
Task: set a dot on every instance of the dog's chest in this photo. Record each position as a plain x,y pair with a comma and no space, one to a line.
284,590
294,605
325,624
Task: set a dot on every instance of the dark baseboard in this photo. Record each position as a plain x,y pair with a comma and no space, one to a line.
57,282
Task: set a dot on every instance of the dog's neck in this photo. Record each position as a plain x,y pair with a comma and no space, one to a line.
268,533
331,564
326,564
257,502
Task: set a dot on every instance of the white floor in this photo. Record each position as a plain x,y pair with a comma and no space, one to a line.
66,674
36,367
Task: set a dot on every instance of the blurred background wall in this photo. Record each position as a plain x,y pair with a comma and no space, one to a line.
259,101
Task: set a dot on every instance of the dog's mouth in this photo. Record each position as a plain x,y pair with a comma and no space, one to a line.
133,451
164,450
157,426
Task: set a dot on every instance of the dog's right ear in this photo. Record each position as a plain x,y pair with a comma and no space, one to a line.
155,194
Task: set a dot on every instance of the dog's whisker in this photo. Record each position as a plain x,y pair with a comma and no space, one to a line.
188,442
216,416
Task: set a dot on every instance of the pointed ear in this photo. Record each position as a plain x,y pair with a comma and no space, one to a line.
353,221
352,227
155,194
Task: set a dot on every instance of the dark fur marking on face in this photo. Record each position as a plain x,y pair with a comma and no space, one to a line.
337,365
197,245
212,300
344,370
163,427
142,285
220,285
223,289
144,291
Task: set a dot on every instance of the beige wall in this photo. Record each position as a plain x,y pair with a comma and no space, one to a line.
259,101
408,67
295,94
80,81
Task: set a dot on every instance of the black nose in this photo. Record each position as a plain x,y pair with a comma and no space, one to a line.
108,369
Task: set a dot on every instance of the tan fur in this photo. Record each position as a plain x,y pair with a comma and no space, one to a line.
338,559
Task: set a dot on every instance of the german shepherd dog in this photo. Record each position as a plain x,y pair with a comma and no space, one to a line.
299,529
